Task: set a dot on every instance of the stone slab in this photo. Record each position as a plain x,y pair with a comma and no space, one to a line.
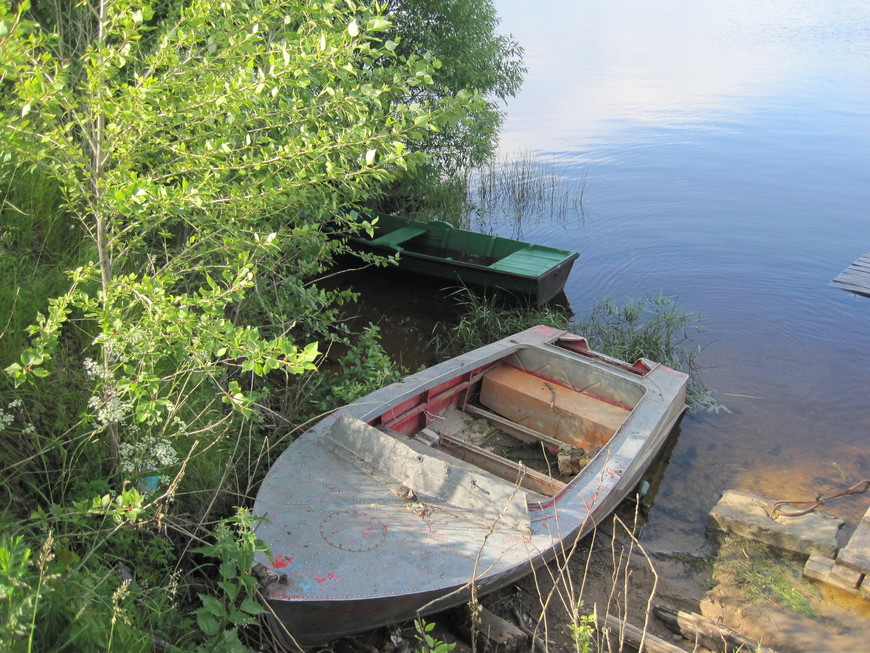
748,516
856,554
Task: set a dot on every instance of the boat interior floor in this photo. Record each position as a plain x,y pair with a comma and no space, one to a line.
506,449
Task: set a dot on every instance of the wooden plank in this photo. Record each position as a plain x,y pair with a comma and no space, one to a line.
845,577
853,275
502,467
512,428
826,571
500,634
855,278
624,632
700,630
858,290
856,554
547,407
489,631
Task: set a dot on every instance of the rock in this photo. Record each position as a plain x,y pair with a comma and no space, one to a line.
749,516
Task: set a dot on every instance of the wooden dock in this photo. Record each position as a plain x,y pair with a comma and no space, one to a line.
855,278
850,571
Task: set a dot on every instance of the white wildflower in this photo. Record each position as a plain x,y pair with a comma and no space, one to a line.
112,411
148,455
92,369
6,419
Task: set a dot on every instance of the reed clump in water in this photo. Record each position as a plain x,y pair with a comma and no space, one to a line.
525,187
516,189
655,328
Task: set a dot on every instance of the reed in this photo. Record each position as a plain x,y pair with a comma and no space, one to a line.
524,187
655,328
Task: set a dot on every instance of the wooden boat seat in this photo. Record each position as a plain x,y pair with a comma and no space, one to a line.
399,236
574,417
531,261
434,477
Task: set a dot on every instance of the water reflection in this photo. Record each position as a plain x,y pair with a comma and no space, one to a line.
596,67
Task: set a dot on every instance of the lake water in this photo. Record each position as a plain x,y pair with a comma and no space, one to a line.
725,149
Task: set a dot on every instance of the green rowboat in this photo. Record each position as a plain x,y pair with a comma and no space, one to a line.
437,249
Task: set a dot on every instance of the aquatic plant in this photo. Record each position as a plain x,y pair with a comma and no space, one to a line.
524,188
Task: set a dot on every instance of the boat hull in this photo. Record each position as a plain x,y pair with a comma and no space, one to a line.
351,553
532,273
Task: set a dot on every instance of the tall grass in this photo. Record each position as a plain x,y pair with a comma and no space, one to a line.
518,189
567,603
484,319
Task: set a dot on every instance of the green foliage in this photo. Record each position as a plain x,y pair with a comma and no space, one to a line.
308,98
16,596
471,54
169,173
761,575
486,319
582,630
365,367
50,602
428,643
462,36
219,619
654,328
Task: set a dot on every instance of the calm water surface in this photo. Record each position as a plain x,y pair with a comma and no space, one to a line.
726,152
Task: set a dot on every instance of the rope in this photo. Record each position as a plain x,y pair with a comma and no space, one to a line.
859,488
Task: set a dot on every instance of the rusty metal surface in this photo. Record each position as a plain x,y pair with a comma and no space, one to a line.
356,545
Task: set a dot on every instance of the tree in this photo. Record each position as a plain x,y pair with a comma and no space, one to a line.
462,36
472,56
196,152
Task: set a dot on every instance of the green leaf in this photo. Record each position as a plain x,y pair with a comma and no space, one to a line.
207,623
377,24
212,605
252,607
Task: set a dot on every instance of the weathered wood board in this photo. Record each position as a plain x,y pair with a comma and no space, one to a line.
550,408
856,554
855,278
